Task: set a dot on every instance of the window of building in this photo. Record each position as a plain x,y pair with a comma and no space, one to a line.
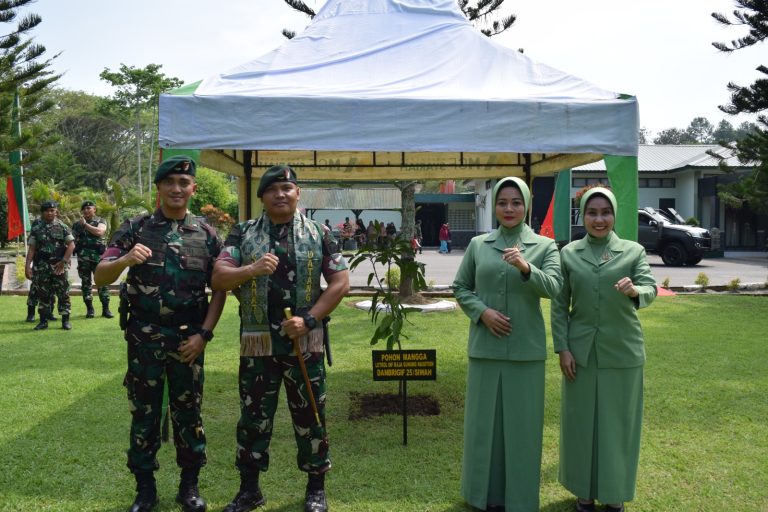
583,182
461,218
656,183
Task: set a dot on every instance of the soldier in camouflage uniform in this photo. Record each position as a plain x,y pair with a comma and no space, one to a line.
169,256
276,261
33,293
89,246
50,249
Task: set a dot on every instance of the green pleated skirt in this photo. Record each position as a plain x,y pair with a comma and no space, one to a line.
503,424
600,424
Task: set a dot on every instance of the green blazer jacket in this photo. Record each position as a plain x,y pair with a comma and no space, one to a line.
589,311
484,281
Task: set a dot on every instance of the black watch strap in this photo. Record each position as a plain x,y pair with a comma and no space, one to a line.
309,320
206,334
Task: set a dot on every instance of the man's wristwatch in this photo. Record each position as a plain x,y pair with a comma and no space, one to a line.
205,334
309,321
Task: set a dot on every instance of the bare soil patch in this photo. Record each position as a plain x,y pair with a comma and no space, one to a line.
368,405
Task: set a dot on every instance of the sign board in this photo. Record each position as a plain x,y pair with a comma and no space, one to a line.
404,364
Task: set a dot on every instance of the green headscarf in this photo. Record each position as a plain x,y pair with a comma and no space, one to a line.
524,191
600,191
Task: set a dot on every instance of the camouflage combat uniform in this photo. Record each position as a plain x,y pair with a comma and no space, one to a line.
50,241
266,363
165,293
89,249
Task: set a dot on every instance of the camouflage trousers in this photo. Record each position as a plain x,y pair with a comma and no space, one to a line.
150,363
85,271
260,379
32,296
46,285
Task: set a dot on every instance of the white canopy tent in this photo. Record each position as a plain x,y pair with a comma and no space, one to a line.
407,85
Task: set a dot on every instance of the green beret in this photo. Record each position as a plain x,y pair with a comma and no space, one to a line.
180,164
276,173
47,205
87,203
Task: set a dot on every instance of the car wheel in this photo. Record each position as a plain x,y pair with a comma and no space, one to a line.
694,260
674,254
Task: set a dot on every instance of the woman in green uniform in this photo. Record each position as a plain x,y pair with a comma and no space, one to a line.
598,336
499,284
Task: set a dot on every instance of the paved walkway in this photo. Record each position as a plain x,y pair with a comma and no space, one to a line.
748,267
441,269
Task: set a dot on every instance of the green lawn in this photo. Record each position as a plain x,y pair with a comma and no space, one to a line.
64,422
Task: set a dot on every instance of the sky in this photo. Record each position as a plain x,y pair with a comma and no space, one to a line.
657,50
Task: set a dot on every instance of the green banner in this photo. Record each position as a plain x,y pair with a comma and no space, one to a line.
622,173
562,210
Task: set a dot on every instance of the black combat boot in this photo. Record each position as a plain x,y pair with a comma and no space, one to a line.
65,323
249,496
89,313
105,312
43,319
314,500
30,313
189,496
146,492
50,316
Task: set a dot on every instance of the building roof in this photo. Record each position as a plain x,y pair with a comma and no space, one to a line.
671,158
350,199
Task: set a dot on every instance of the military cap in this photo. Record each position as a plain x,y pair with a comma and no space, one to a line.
47,205
180,164
276,173
87,203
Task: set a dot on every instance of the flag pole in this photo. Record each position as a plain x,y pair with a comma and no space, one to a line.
16,181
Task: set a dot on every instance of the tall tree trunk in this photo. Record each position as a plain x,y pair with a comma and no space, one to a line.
138,152
152,138
408,200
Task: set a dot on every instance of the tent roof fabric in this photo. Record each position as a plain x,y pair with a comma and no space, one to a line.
666,158
397,75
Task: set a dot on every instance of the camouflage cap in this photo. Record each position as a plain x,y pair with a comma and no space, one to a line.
276,173
47,205
87,203
180,164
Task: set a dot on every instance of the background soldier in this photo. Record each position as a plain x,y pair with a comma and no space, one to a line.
89,246
278,259
50,248
32,295
168,322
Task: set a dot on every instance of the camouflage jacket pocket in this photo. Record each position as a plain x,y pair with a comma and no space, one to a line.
194,255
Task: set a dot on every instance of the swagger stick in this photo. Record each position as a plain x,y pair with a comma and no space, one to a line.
303,368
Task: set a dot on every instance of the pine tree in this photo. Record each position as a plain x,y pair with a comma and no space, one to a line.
752,99
23,71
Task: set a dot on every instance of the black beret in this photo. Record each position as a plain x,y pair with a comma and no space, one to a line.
87,203
180,164
276,173
47,205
